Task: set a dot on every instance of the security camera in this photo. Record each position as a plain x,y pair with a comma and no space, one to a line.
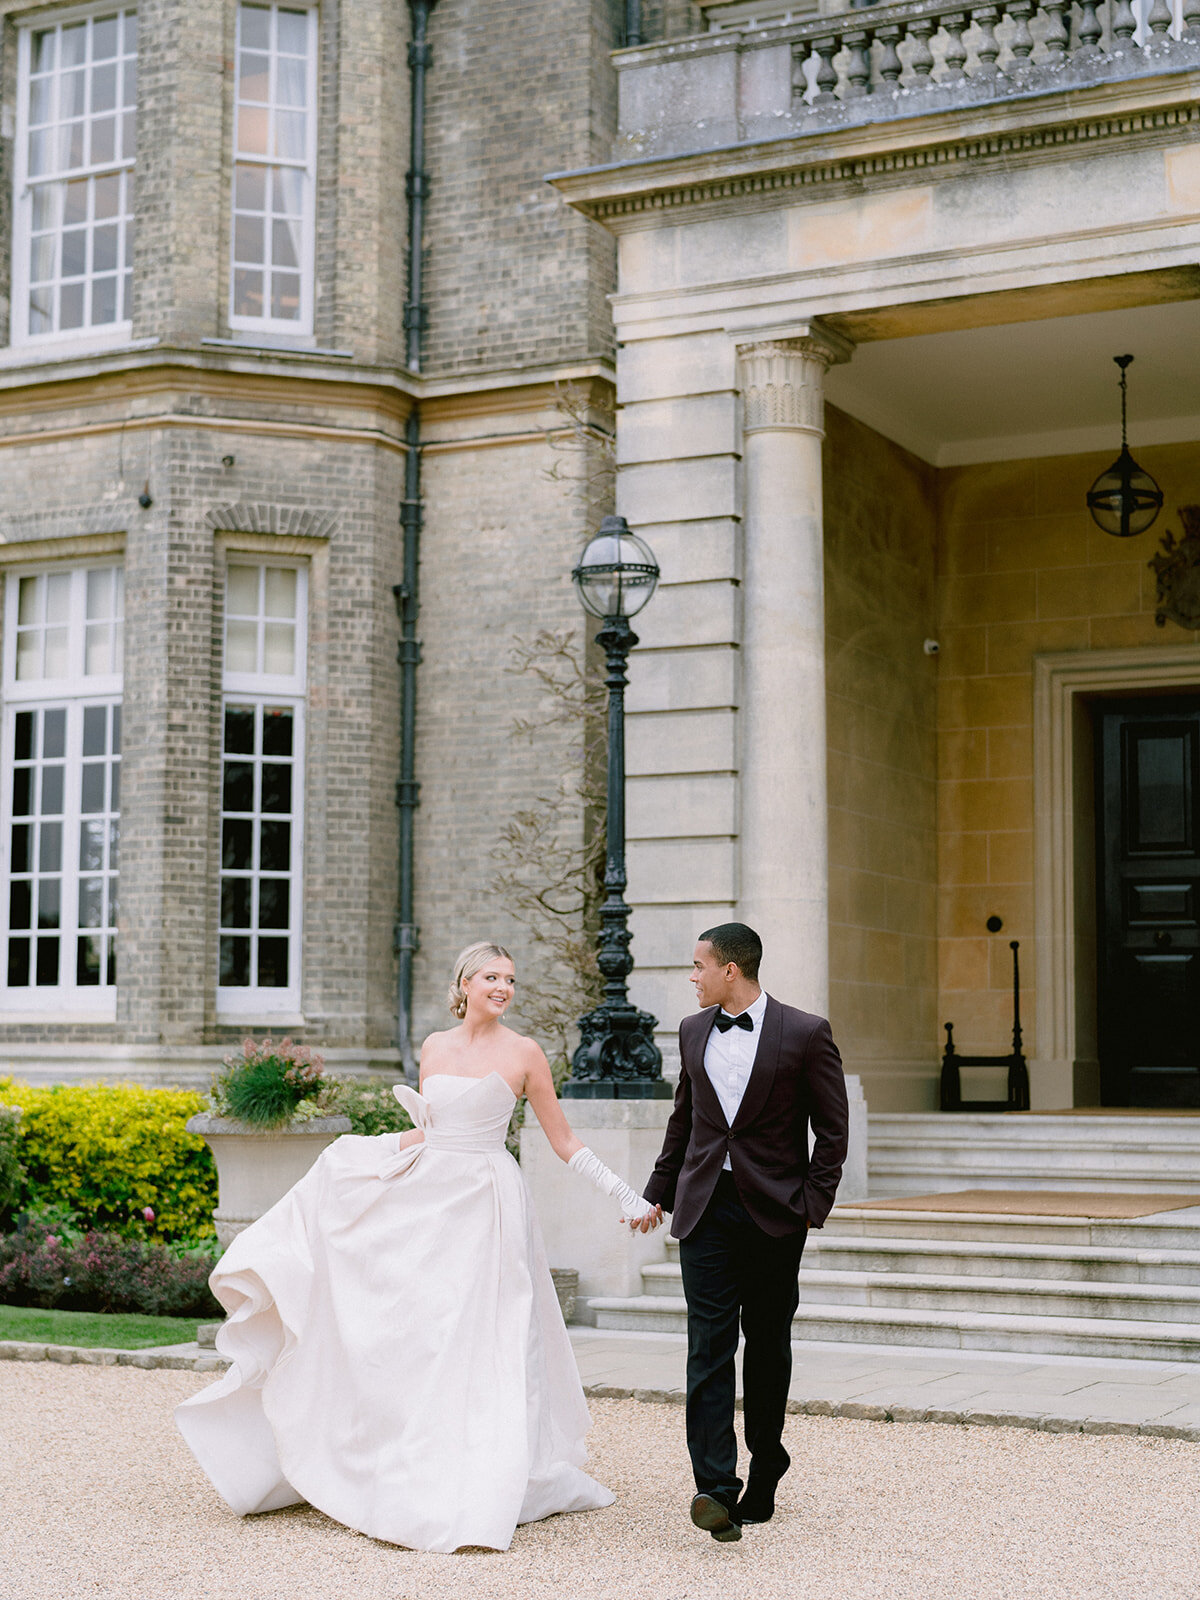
932,647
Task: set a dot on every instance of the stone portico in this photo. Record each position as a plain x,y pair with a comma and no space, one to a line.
865,381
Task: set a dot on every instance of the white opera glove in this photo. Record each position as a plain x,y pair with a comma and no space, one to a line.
589,1165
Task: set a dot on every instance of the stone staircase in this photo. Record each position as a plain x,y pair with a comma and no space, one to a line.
1038,1285
929,1153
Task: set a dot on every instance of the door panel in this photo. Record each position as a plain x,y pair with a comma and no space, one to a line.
1148,893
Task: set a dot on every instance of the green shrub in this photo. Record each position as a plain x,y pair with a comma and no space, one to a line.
270,1084
11,1173
117,1155
370,1105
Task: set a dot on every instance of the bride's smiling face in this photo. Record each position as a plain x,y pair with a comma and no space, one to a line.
490,992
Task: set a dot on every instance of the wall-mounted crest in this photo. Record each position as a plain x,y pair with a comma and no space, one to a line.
1177,569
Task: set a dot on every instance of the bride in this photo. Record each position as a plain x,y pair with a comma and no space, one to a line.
398,1356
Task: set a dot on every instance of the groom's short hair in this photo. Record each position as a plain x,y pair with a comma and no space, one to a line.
735,942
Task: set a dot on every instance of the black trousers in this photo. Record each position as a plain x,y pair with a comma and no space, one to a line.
735,1273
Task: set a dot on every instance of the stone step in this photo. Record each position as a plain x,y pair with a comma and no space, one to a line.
964,1330
1033,1297
976,1258
1162,1230
929,1152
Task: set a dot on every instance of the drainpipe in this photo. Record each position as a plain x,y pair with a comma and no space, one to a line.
633,23
411,516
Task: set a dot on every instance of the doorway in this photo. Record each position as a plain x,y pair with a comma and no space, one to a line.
1147,766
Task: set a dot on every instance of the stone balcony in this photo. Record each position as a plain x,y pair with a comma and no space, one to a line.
764,73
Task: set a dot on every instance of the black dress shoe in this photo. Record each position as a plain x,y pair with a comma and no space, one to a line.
758,1503
715,1517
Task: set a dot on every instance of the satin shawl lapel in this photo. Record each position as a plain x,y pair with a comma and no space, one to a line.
702,1088
766,1059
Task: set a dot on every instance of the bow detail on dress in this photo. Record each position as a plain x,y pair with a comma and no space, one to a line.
418,1108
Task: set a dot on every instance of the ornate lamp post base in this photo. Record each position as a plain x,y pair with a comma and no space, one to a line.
617,1058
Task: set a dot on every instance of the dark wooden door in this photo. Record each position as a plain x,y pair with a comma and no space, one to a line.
1148,894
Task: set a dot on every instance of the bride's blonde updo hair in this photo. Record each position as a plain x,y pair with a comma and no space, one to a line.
470,961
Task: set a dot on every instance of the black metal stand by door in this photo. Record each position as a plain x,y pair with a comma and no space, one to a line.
1018,1071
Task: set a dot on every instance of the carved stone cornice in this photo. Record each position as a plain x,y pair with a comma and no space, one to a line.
783,380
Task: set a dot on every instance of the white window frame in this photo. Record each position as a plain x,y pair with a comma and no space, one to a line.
75,692
302,326
92,336
250,1003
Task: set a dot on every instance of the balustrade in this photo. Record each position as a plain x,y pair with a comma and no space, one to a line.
993,49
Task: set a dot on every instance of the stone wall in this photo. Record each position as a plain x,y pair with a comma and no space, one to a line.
880,513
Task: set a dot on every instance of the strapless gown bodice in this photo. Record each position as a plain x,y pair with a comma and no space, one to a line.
398,1356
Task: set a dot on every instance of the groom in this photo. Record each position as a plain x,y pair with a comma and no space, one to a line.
736,1173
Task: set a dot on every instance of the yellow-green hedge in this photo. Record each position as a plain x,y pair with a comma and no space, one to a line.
109,1150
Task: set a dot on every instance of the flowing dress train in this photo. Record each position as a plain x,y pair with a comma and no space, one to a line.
398,1356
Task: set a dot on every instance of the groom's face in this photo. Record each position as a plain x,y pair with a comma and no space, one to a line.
709,979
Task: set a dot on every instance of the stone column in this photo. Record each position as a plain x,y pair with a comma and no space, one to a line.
784,855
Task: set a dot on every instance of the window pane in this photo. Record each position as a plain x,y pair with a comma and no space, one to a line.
52,791
273,907
58,597
277,731
104,301
241,647
256,27
98,649
49,903
54,733
279,648
238,788
104,88
47,963
276,787
50,847
250,188
29,597
92,793
20,903
104,38
239,730
287,189
88,961
19,855
275,846
91,846
91,903
237,844
18,963
272,963
70,314
280,591
252,123
105,244
235,902
241,591
248,239
293,31
254,72
247,293
285,296
22,792
95,729
291,128
285,244
291,86
29,655
235,962
25,743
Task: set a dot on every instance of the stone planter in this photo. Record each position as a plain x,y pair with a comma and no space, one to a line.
257,1166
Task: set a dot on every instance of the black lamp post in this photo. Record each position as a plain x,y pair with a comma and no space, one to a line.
1124,500
617,1058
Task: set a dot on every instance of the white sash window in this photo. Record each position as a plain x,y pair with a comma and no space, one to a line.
274,173
60,804
74,157
262,787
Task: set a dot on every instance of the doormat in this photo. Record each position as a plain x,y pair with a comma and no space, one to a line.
1035,1203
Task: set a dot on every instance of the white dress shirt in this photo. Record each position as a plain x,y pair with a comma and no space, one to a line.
728,1058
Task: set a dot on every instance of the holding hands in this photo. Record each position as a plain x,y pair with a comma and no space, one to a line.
639,1213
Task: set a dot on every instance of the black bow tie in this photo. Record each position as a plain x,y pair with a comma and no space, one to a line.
723,1022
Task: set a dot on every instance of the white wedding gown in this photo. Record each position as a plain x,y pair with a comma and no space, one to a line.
399,1358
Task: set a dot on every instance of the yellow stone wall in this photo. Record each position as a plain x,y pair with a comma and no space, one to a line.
1022,570
880,522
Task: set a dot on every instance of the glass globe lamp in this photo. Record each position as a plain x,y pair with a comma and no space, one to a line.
617,572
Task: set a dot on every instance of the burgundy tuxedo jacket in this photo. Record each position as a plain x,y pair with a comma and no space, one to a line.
796,1080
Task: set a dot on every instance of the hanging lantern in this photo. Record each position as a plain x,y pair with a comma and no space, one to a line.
1124,500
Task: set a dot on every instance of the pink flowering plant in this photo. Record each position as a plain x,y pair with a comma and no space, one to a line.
272,1083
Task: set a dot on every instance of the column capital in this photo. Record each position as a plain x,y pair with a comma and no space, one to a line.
783,380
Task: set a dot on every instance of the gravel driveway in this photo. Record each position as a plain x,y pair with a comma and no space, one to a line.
100,1498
